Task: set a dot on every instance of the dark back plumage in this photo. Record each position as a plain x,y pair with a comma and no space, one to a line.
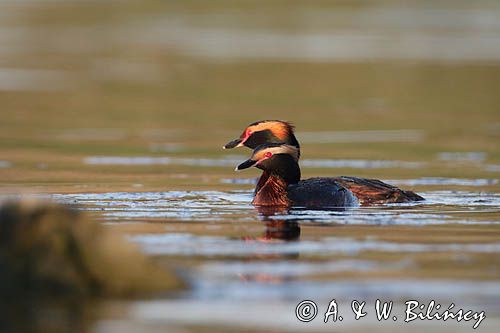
265,134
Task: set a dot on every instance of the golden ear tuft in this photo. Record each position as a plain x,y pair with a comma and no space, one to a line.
280,129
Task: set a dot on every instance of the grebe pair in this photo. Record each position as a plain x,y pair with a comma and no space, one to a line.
277,152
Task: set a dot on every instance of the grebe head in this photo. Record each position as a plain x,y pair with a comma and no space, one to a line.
265,131
276,159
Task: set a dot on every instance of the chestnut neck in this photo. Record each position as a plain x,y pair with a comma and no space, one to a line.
271,189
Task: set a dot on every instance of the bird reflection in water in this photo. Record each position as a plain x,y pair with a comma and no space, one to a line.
276,231
282,225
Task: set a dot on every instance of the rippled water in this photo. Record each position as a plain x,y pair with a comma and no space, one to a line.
440,207
271,259
235,160
130,102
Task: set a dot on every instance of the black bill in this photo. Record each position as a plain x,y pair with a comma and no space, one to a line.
232,144
245,165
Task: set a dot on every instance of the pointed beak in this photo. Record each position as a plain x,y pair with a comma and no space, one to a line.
232,144
245,165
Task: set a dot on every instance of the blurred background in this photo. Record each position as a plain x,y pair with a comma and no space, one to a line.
385,80
122,96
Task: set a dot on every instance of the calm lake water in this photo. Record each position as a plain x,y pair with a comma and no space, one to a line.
121,109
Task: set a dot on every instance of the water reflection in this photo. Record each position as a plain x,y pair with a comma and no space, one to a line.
440,207
283,230
275,231
236,159
278,229
312,215
76,93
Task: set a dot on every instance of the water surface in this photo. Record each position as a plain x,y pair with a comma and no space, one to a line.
121,108
445,248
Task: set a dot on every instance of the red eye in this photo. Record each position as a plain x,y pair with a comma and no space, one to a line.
249,132
268,154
